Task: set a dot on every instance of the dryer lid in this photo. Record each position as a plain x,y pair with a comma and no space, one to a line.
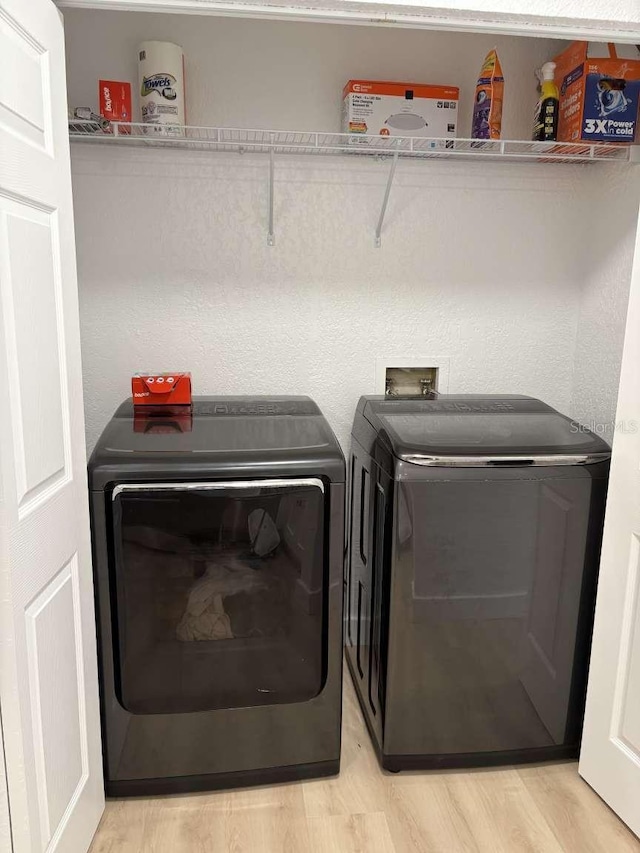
259,436
224,425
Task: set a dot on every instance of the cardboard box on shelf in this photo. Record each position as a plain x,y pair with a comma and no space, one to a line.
400,109
115,100
599,92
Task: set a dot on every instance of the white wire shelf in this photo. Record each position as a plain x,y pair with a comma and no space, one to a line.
390,148
305,142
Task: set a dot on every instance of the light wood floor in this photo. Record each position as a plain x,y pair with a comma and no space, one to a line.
365,810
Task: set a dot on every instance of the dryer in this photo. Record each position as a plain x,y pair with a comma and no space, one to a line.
474,540
218,550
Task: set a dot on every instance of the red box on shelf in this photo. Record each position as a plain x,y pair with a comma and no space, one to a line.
115,100
161,389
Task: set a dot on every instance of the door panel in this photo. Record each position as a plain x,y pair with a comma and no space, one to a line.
48,673
57,693
610,757
31,294
22,107
628,725
5,819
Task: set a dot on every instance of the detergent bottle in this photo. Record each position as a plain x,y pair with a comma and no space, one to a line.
545,125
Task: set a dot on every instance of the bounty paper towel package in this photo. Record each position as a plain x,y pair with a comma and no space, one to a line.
599,92
399,109
161,79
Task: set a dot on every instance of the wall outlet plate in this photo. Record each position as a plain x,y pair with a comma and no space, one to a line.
406,373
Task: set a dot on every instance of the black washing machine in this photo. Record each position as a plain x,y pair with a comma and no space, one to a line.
218,545
474,540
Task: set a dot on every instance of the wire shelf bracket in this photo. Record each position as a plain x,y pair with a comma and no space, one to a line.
271,237
385,201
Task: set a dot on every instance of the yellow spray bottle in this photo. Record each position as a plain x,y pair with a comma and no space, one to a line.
545,125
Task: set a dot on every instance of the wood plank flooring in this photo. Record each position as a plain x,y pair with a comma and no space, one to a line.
365,810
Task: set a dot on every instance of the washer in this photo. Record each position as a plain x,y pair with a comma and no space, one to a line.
218,545
474,540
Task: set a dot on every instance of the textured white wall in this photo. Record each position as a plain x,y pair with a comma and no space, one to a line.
481,263
604,296
175,273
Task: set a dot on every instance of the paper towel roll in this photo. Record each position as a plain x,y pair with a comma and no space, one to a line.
161,78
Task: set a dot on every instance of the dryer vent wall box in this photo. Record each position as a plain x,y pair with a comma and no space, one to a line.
218,559
400,109
475,537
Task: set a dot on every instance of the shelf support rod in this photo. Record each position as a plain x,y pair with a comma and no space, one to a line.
385,200
271,237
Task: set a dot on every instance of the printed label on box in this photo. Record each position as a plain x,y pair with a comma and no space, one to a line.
599,92
610,109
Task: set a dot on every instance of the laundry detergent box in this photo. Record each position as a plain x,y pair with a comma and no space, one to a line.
382,108
599,92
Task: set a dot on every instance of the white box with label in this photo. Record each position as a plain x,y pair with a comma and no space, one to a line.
400,109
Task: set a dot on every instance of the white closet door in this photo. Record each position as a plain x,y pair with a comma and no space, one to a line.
48,672
5,820
610,757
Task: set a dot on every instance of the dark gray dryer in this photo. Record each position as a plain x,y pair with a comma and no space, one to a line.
474,540
218,544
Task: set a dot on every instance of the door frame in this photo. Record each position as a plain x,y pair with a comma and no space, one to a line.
385,14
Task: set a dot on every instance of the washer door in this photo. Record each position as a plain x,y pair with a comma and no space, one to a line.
219,594
491,597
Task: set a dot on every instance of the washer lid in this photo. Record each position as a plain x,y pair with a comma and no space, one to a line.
474,427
